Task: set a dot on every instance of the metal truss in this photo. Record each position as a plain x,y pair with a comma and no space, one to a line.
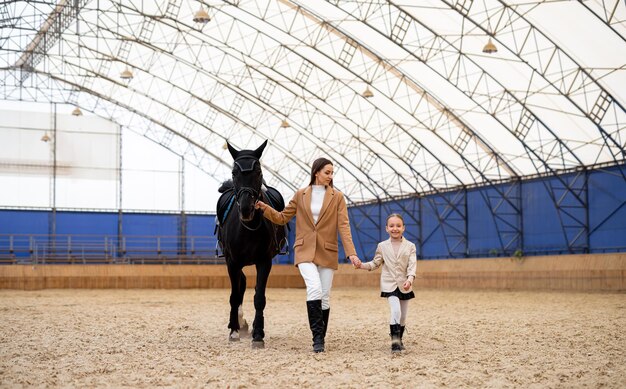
399,23
506,212
608,12
560,213
457,67
259,62
572,204
554,64
49,33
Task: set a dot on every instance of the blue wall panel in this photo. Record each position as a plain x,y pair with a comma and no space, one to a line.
150,234
20,230
434,241
87,223
482,231
573,208
200,225
150,224
23,222
554,213
94,230
607,211
200,235
444,225
542,228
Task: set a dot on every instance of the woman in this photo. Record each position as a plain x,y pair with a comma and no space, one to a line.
322,214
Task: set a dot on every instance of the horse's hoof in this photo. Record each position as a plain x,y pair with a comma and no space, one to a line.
234,336
257,344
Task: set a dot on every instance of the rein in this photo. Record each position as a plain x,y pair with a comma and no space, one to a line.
253,193
250,228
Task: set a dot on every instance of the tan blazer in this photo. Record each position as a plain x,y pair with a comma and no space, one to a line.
396,268
317,242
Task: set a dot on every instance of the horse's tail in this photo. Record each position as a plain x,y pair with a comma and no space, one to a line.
226,185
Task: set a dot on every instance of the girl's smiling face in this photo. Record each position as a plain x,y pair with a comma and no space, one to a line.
395,228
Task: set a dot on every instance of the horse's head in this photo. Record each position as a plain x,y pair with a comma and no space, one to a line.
247,179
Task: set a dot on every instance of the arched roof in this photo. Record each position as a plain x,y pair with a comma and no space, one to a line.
443,113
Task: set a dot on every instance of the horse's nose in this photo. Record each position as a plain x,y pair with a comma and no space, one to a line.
246,213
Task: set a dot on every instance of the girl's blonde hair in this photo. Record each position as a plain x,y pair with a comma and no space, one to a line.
394,215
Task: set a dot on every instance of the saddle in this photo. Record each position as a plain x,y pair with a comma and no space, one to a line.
224,204
227,198
274,198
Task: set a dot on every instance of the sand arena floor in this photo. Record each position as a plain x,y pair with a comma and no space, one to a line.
178,338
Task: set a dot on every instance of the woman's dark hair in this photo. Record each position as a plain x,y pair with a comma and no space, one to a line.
318,165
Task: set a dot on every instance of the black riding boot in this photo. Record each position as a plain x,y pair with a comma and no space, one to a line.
401,335
316,322
325,314
394,330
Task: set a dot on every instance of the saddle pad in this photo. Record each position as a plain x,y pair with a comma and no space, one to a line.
274,198
224,204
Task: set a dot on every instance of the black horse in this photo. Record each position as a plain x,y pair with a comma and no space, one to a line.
247,238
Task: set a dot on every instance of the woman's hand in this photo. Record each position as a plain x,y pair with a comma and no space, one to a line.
260,205
356,262
407,284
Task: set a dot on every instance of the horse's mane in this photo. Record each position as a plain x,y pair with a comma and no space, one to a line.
226,185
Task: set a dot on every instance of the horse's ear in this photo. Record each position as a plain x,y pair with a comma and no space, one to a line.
259,151
234,153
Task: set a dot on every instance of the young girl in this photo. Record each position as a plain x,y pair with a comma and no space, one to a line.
397,255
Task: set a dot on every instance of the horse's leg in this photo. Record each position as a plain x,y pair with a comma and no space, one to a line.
234,273
262,274
243,324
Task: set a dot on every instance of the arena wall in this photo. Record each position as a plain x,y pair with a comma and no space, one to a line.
584,272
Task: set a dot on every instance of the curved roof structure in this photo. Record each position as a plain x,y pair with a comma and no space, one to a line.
404,96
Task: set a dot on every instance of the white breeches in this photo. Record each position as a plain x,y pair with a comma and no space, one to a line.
318,282
399,309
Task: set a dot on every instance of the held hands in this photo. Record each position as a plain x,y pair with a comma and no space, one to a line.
356,262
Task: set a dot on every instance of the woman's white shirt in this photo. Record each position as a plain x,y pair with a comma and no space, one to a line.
317,199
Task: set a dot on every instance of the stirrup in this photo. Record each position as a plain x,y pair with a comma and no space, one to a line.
283,247
218,250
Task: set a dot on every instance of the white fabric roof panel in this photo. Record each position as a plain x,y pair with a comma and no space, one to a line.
443,113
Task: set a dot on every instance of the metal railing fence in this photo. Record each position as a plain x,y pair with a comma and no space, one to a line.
102,249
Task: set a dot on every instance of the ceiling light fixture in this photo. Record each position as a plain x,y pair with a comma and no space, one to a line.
126,74
77,112
45,137
285,124
490,48
367,93
201,16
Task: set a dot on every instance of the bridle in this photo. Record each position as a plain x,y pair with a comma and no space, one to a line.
255,194
246,163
